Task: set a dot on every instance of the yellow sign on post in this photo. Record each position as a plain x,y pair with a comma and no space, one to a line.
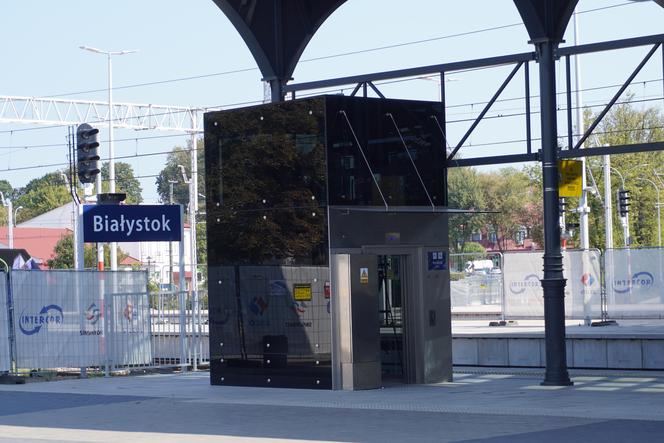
571,178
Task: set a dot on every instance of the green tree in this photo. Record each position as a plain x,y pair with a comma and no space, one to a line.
473,247
42,195
8,192
201,242
125,181
63,257
6,189
172,172
464,192
532,213
506,194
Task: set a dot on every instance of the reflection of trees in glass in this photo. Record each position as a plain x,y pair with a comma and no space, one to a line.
273,186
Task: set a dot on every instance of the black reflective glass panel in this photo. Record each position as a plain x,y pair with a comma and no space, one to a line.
268,246
266,190
399,141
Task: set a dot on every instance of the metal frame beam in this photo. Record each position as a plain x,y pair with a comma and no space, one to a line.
485,110
473,64
609,150
413,72
615,98
52,111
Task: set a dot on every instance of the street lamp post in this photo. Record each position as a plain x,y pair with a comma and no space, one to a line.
16,214
111,153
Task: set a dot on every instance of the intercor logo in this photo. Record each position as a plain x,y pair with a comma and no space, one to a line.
131,223
639,280
520,286
32,323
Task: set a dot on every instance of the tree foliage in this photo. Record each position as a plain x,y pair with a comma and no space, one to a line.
506,194
464,192
172,173
41,195
516,195
8,192
63,255
628,124
125,181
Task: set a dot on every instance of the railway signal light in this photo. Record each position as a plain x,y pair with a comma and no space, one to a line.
87,153
623,202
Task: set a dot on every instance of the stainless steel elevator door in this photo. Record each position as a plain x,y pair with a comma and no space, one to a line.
392,297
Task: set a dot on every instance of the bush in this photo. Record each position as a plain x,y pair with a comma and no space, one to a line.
472,247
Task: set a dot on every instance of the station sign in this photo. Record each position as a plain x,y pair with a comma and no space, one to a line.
131,223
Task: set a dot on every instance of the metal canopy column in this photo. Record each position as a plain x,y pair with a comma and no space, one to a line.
546,22
276,32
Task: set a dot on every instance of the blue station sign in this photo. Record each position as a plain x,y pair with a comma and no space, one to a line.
131,223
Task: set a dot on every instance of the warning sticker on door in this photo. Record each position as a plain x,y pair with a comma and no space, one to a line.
302,292
364,276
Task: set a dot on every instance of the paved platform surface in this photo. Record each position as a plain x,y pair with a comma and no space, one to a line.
641,328
479,406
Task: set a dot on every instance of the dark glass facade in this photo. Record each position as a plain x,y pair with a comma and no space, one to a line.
394,139
271,172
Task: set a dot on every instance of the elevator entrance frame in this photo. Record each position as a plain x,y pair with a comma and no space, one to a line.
425,327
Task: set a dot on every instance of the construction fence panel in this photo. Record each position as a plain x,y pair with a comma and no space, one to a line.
634,283
129,330
523,291
5,355
59,316
476,283
165,327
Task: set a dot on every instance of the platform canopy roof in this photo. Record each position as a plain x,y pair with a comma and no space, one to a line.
277,31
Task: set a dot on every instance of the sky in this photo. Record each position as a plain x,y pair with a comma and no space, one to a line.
190,55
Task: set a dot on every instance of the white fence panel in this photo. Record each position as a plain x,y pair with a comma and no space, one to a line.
129,330
58,319
59,316
523,291
634,283
477,283
5,357
583,291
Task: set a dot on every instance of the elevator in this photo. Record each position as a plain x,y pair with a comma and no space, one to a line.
328,244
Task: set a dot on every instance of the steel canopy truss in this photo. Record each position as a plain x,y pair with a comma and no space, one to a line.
521,60
51,111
